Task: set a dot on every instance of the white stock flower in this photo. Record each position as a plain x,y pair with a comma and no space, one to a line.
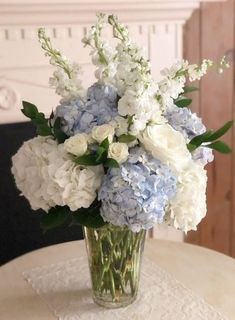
77,144
144,108
47,177
118,151
166,145
100,133
188,207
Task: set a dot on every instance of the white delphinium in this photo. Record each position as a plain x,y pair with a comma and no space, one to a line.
66,76
46,176
188,207
103,55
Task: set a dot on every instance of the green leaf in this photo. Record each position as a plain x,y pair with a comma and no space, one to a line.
43,130
89,217
220,132
54,218
29,109
126,138
105,144
101,155
111,163
198,140
188,89
87,160
191,147
219,146
38,119
58,133
130,121
182,103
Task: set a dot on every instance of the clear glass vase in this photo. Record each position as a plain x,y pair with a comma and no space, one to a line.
114,255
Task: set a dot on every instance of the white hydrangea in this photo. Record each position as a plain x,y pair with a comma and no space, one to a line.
47,177
188,207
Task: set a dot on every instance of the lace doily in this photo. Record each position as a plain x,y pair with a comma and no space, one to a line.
65,287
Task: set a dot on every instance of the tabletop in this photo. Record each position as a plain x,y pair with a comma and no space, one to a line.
209,274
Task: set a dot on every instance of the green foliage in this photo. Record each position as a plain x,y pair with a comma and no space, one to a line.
188,89
183,102
111,163
130,121
219,146
55,217
58,133
87,160
38,118
43,125
220,132
98,157
210,136
126,138
89,217
59,216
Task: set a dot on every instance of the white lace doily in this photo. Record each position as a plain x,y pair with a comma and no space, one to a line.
65,287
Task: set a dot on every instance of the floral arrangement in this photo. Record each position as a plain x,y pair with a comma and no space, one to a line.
128,151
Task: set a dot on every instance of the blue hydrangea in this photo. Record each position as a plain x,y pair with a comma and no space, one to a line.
99,107
183,120
190,125
137,193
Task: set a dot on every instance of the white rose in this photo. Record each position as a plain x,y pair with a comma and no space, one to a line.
77,144
118,151
100,133
167,145
188,207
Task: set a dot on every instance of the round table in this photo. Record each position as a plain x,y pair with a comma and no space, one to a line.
209,274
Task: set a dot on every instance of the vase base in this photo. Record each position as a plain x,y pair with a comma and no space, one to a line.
122,303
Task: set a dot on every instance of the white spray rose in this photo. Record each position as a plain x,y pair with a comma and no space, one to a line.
77,144
99,133
188,207
166,145
118,151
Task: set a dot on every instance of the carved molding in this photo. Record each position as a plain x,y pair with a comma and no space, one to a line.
9,98
83,12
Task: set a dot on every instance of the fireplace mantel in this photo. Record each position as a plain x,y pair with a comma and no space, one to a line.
81,11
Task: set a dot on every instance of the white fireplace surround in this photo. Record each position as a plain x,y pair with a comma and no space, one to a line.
156,25
74,11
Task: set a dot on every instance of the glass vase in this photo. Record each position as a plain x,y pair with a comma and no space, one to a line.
114,255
